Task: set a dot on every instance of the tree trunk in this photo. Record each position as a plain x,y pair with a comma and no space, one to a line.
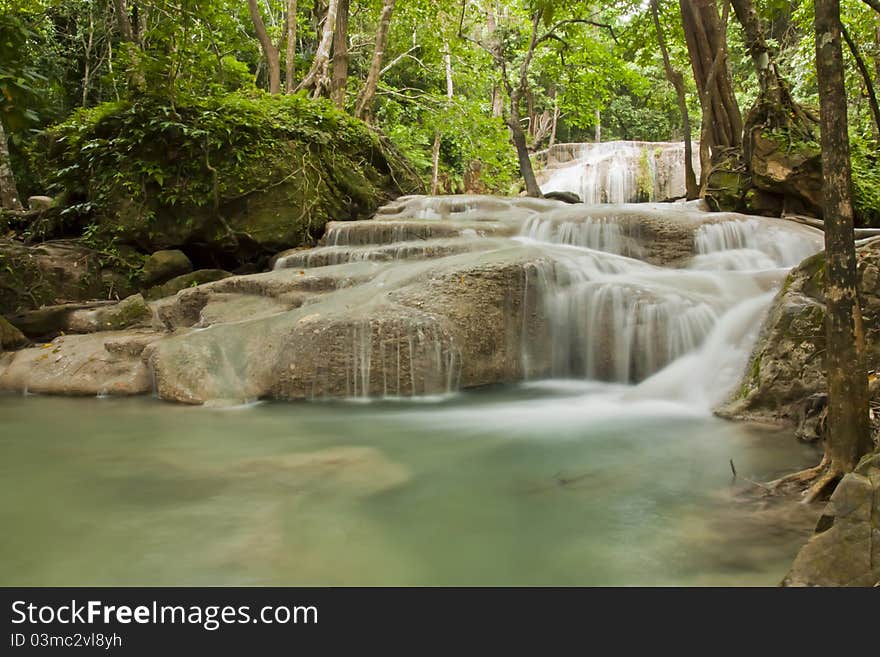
340,56
774,107
704,34
522,150
317,78
598,136
270,52
866,75
364,108
123,20
435,174
497,94
848,433
676,79
290,54
9,199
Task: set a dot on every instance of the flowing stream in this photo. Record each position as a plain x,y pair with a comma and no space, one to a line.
604,466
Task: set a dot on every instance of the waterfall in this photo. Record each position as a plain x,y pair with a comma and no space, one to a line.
661,298
615,171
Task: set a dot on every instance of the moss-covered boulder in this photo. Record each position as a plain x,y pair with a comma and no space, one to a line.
227,179
193,279
786,366
162,266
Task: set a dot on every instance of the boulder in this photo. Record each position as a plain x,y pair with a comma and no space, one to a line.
162,266
428,328
131,311
10,336
845,548
184,281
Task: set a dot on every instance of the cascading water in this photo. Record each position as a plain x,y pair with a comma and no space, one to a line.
615,171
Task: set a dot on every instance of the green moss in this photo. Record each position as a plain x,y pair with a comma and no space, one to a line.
249,167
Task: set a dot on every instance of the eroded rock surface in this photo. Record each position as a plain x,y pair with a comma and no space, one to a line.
845,549
786,368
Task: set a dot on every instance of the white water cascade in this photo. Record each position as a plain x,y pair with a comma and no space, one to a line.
661,301
615,171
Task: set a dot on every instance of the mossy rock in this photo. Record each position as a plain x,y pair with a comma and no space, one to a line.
165,265
193,279
10,337
235,177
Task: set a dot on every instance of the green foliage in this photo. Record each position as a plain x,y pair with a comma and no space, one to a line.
866,181
123,166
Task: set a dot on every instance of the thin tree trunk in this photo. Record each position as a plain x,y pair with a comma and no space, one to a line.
497,95
9,199
522,150
364,107
270,52
555,119
340,56
317,78
848,435
598,136
676,79
435,175
290,54
866,75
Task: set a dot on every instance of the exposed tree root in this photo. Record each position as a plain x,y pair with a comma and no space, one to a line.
814,482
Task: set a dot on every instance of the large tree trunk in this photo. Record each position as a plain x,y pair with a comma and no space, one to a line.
707,49
676,79
290,53
270,52
364,107
848,433
774,107
9,199
317,78
340,56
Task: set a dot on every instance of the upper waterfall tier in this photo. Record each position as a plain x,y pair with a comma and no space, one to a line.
615,171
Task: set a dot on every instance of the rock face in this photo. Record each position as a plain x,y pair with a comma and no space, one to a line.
55,272
778,176
786,367
845,550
